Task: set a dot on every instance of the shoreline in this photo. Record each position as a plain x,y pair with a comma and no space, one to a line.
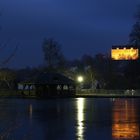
79,94
73,96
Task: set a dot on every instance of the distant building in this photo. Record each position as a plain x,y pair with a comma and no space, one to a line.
124,53
50,84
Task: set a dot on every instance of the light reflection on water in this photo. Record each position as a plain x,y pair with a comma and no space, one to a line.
70,119
80,118
125,120
30,111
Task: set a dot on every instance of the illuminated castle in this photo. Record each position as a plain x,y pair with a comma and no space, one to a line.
124,53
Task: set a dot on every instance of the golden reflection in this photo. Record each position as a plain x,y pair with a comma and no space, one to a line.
80,118
125,124
30,111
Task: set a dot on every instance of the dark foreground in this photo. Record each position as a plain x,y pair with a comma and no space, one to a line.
70,119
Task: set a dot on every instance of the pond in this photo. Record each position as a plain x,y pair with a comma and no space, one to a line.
70,119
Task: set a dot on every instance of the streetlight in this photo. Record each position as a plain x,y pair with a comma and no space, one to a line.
80,79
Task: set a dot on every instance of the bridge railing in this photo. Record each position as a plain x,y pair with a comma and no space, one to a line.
130,92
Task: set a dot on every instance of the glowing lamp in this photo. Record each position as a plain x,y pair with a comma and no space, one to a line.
80,79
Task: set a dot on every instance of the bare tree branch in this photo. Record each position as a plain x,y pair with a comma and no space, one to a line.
8,59
3,46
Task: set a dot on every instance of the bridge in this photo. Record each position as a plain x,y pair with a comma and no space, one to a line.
107,93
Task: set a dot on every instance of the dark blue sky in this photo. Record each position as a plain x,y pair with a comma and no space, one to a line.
80,26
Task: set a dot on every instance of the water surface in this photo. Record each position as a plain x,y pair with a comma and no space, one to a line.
70,119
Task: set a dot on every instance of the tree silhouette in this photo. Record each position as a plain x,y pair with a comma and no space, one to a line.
7,77
134,37
52,53
135,34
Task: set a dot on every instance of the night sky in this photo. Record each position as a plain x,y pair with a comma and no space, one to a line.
80,27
